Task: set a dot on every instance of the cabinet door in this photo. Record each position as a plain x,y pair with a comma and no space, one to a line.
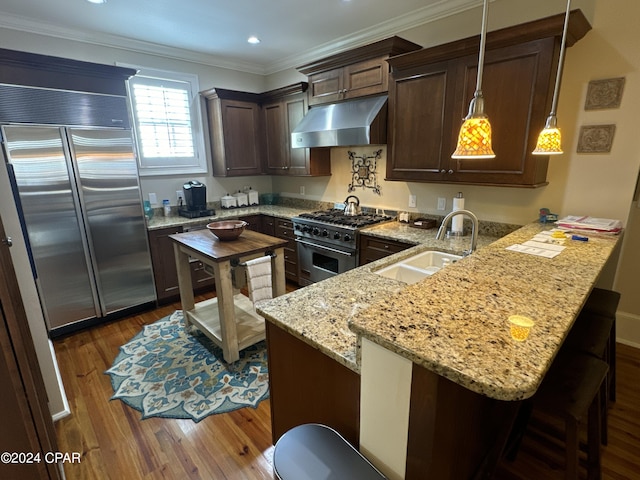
254,221
364,78
268,225
420,140
516,86
164,263
276,145
296,109
241,132
326,87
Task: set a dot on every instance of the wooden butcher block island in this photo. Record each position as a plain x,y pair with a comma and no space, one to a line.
228,320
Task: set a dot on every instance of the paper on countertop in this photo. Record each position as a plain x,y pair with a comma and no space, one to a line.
539,249
587,223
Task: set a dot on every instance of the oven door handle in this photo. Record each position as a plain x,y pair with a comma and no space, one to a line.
322,247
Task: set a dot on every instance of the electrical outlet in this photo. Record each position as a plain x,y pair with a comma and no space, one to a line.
180,196
412,201
301,189
153,199
442,203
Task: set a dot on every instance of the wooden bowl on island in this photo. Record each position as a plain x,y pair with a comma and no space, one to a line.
227,230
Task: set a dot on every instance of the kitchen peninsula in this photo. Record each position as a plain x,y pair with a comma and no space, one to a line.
451,330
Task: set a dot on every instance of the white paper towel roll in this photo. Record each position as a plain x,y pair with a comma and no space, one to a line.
458,221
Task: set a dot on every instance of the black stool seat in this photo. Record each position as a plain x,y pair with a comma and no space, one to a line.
590,334
317,452
602,302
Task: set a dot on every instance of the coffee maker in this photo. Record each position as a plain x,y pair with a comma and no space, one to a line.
195,199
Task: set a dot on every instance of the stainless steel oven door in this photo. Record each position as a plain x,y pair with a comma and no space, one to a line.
318,261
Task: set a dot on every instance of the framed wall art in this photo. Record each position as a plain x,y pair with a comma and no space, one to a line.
596,138
604,94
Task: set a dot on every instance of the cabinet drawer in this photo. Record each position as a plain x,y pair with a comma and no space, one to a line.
372,249
284,229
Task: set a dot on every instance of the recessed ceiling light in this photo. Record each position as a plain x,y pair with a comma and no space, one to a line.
97,1
253,40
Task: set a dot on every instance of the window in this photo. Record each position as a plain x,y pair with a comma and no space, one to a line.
167,121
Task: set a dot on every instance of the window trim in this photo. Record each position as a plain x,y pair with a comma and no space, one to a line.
168,166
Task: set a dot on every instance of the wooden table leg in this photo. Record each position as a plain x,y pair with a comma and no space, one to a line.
224,292
184,282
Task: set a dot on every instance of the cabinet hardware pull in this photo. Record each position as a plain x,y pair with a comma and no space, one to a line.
443,171
450,172
8,241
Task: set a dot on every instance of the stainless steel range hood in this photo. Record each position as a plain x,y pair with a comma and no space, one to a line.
360,121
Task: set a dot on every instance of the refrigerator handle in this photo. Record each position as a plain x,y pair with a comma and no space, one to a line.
23,226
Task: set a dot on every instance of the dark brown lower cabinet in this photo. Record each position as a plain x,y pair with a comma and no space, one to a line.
284,230
28,433
306,386
164,267
373,248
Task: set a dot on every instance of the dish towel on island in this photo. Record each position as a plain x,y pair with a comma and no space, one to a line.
259,279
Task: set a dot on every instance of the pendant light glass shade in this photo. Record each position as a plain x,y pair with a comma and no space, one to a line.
474,139
550,140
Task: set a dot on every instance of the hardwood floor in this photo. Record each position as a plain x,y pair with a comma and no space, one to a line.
116,444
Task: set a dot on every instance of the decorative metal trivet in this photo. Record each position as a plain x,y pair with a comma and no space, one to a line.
363,171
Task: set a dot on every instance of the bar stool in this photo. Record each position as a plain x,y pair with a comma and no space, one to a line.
317,452
570,391
594,333
605,302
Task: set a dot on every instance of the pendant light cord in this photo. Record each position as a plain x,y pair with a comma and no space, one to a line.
556,92
483,40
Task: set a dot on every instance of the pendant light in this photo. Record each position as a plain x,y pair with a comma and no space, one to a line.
550,140
474,139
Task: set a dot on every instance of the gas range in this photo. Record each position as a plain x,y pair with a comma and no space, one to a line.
334,227
328,242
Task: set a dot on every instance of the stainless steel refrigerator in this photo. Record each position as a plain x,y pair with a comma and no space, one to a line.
77,193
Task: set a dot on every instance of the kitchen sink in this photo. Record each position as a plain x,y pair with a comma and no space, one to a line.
417,267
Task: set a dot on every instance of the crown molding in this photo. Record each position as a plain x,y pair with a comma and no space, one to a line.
417,18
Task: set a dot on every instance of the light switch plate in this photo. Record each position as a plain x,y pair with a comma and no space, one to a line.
442,203
412,201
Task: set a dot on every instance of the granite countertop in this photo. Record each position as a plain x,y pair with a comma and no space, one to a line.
174,220
319,314
453,323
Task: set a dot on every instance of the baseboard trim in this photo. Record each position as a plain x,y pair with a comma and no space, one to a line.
628,329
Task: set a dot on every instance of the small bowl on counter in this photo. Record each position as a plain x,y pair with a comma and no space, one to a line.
227,230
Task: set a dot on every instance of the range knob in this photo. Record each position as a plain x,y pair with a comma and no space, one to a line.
315,230
325,233
306,229
336,236
297,227
347,237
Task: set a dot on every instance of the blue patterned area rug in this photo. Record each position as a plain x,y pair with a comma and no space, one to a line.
167,372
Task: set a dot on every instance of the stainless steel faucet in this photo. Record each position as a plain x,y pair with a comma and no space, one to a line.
474,228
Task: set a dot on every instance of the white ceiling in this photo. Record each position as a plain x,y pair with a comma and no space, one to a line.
215,32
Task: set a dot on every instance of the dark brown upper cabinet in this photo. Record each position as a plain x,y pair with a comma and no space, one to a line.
429,95
358,72
235,132
282,110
